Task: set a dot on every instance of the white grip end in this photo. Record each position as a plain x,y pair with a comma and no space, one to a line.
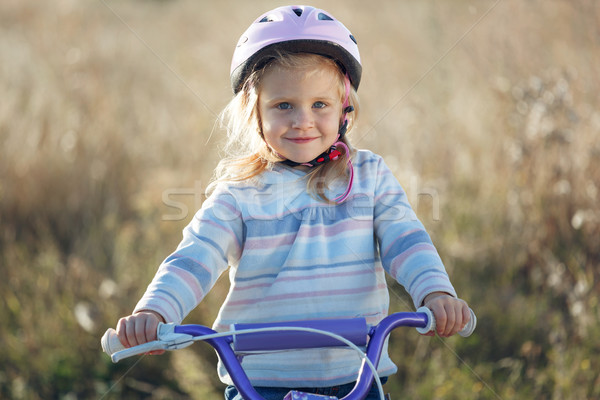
465,332
470,326
110,342
430,321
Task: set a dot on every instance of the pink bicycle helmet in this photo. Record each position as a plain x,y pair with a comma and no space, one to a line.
295,29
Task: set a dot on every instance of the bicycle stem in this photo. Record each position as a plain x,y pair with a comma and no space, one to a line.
378,335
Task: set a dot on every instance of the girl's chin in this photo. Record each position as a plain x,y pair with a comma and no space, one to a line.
300,159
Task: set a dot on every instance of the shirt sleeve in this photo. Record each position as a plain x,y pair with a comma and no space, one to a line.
406,250
211,242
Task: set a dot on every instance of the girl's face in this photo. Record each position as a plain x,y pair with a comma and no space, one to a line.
300,111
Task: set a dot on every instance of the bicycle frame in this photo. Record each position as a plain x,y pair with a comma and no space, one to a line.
293,335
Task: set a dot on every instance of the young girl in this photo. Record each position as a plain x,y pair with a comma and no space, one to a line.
306,224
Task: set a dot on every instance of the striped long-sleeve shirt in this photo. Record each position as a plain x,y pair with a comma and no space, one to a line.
292,257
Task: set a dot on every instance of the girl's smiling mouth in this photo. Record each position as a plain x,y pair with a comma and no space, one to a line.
301,140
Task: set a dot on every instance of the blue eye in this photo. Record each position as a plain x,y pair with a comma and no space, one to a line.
284,106
319,104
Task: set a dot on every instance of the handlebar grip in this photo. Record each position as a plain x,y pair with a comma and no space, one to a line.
465,332
110,342
112,346
470,326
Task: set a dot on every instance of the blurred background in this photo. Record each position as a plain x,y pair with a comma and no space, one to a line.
487,111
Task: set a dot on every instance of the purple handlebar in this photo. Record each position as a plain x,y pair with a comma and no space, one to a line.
354,330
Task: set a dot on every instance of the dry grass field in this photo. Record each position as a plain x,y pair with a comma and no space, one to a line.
487,111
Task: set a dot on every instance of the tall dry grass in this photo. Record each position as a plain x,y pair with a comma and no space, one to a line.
486,111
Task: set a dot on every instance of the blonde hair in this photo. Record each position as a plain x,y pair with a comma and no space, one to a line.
248,154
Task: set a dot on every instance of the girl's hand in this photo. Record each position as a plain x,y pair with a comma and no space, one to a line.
139,328
451,314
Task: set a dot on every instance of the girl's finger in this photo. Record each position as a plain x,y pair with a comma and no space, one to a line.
122,332
441,319
446,330
150,328
140,331
466,316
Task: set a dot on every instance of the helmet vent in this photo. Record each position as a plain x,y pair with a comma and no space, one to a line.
353,39
267,18
298,11
324,17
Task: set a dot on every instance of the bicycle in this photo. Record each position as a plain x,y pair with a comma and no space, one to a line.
245,339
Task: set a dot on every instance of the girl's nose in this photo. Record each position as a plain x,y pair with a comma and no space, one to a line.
302,119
